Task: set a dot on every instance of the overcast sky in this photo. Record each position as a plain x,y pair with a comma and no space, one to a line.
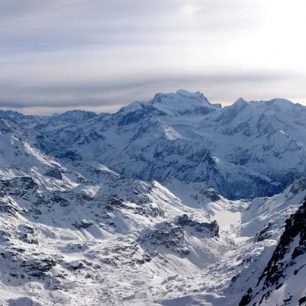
99,55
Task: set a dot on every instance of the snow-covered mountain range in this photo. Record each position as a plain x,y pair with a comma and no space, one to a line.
174,201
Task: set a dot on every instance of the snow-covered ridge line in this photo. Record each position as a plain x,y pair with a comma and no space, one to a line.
244,150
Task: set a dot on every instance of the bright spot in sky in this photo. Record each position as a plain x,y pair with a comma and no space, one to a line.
277,42
189,9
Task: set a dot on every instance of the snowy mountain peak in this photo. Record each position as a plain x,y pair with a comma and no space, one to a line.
73,116
188,94
230,112
240,102
281,102
182,102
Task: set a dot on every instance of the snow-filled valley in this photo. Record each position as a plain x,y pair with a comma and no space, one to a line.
174,201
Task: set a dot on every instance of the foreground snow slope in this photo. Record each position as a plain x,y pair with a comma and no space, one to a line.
129,242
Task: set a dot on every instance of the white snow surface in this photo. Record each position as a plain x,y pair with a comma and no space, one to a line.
142,218
245,150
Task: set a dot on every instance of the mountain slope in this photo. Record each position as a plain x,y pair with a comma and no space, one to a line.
84,225
283,279
244,150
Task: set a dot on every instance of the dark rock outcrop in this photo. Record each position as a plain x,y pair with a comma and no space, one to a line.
292,244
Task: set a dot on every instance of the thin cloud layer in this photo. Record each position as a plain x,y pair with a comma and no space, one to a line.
93,54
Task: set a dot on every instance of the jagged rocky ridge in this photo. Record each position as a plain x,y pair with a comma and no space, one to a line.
283,279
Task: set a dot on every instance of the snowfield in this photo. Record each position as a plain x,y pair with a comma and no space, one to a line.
175,201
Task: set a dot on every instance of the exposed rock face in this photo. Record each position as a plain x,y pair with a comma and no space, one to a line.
55,173
169,236
18,185
173,235
211,229
284,264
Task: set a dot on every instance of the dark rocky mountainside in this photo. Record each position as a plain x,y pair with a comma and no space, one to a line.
286,267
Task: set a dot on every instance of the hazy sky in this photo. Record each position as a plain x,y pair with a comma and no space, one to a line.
99,55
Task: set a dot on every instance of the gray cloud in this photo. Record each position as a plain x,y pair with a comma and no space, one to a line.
122,91
38,24
88,53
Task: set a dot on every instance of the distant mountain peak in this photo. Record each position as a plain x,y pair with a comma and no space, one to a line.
280,102
240,102
188,94
74,115
182,102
